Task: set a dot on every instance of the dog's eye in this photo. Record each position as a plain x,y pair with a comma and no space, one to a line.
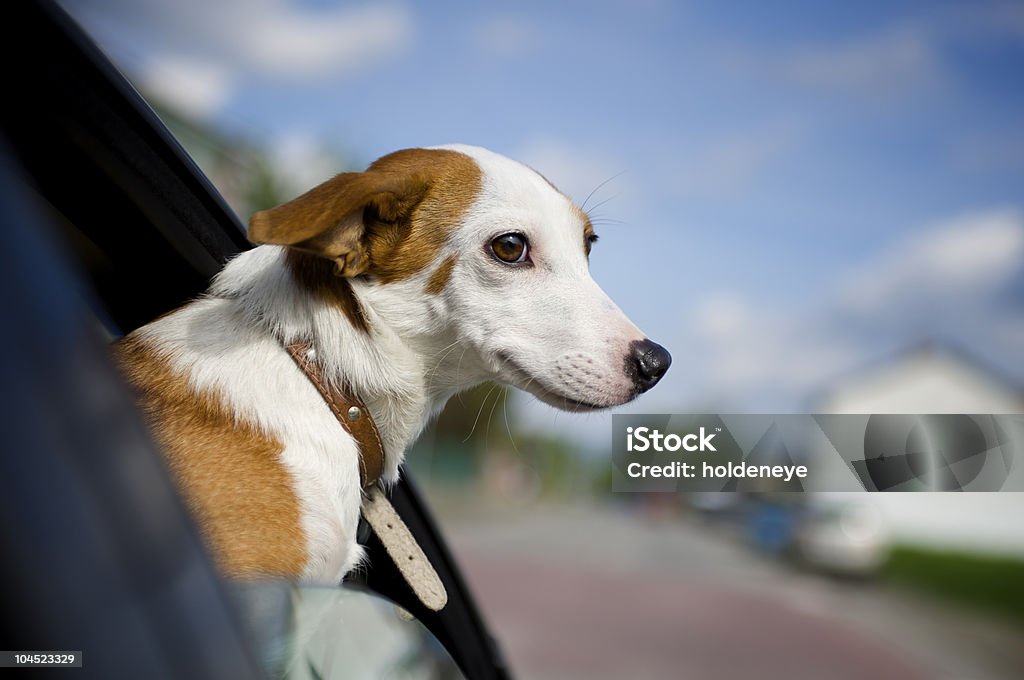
588,241
510,248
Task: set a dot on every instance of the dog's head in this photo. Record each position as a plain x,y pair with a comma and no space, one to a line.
483,255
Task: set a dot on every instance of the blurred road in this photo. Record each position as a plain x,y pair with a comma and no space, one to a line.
592,592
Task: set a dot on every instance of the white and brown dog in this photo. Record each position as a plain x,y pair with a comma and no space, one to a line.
431,272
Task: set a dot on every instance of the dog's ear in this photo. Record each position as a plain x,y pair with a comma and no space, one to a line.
331,220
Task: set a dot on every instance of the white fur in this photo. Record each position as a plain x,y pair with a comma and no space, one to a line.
548,329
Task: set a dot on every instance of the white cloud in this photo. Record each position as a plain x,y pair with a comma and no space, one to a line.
302,161
186,48
957,281
966,256
196,88
750,352
287,43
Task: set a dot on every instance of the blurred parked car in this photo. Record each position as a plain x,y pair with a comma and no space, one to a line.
845,537
842,536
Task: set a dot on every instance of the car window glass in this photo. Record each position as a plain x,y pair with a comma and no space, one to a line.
320,633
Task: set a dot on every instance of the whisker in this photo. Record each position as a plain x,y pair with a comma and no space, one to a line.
602,203
445,347
451,348
490,417
598,188
599,220
504,408
483,402
458,369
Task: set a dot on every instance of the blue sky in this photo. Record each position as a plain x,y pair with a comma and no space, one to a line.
805,187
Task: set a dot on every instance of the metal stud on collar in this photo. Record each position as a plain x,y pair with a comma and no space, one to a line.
355,413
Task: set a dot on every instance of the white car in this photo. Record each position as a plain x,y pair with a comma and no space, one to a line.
845,536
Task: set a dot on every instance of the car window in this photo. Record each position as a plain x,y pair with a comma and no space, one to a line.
318,633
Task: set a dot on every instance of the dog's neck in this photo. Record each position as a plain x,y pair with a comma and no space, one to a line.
404,364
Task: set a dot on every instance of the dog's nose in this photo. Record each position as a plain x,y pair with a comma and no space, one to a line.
650,360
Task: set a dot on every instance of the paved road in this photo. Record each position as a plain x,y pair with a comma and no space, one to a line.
598,593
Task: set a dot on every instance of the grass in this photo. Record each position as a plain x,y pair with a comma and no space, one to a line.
994,584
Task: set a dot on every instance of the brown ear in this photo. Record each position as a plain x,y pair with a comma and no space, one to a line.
330,220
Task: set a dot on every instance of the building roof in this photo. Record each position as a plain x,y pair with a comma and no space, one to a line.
924,378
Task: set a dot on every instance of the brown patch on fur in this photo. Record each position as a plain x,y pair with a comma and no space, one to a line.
389,222
317,277
588,231
439,279
229,474
403,246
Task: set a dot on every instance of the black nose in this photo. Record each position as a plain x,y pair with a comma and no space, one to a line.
647,362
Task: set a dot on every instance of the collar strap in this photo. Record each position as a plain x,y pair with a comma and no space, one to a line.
350,411
394,535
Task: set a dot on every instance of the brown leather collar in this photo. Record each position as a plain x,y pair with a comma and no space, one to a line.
350,411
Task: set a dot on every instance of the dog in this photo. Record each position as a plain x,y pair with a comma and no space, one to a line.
432,271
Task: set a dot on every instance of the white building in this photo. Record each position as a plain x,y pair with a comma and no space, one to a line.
930,379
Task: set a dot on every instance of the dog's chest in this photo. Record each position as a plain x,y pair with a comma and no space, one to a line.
326,484
322,460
